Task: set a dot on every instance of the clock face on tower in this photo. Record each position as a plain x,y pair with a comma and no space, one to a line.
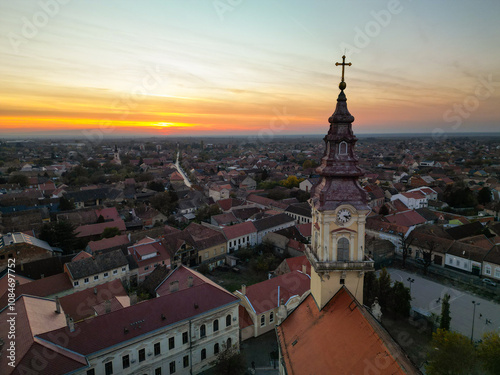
343,216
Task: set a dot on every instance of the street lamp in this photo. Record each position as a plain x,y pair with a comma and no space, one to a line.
473,318
411,281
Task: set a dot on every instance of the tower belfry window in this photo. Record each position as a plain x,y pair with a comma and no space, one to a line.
343,249
343,148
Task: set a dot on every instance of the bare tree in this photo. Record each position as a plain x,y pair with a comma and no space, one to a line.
428,247
405,243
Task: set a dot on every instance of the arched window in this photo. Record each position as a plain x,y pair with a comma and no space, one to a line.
262,320
343,249
203,330
216,325
229,343
203,354
228,320
343,148
216,348
271,317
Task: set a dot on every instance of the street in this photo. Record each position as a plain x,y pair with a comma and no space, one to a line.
427,295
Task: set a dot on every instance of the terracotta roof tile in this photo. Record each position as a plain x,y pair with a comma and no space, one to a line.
238,230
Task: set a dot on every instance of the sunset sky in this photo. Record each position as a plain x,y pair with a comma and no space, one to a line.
92,68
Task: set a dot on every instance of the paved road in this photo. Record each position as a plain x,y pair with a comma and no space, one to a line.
179,169
426,293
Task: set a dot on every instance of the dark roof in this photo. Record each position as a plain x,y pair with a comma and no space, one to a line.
100,263
427,214
154,279
86,195
466,230
46,267
302,209
464,250
272,221
493,255
205,237
245,213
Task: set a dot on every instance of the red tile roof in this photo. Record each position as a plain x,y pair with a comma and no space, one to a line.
125,324
43,287
4,282
80,305
296,263
97,229
176,176
238,230
406,219
81,255
342,338
305,229
108,243
266,295
109,213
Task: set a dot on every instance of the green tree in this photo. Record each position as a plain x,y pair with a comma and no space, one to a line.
230,362
165,202
206,212
450,353
484,195
489,353
307,164
445,320
110,232
384,290
370,288
400,301
156,186
60,234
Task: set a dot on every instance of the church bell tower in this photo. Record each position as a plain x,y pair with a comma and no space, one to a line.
339,211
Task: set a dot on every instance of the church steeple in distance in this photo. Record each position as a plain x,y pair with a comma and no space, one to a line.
339,210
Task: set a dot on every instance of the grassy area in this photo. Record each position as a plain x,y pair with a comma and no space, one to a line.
413,336
232,281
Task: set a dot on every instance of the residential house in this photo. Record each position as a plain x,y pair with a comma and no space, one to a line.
148,254
491,263
262,300
240,235
95,231
308,183
211,245
301,212
218,192
108,244
465,258
89,272
272,224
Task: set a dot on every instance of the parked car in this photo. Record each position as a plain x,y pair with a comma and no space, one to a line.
489,282
420,261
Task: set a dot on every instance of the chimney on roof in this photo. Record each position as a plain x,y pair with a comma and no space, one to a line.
190,281
71,325
174,286
282,311
107,306
243,289
304,269
58,306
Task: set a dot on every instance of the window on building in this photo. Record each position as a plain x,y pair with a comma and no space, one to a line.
108,368
262,320
203,354
146,268
497,273
86,280
184,337
185,361
487,269
342,281
142,355
271,317
96,277
106,274
91,372
76,283
124,269
157,348
115,272
206,255
203,330
228,320
343,249
450,260
229,343
158,371
216,325
171,343
3,257
239,241
216,348
172,367
126,361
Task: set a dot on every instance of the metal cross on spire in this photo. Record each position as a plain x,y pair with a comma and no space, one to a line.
342,84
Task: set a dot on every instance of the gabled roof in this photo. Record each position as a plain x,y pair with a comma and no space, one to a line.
225,218
302,209
100,263
108,243
97,229
466,251
466,230
304,229
41,288
406,218
296,263
272,221
205,237
238,230
80,305
342,338
128,323
266,295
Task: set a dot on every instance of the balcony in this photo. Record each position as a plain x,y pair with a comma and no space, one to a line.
359,265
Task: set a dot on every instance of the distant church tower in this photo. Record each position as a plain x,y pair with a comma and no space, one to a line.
339,210
116,157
